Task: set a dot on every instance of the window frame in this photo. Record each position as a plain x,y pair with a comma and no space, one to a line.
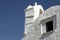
43,24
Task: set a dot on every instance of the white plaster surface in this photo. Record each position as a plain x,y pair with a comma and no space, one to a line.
37,32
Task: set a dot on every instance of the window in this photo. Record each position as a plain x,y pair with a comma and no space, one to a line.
49,26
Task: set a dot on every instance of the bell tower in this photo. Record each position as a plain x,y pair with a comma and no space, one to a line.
31,14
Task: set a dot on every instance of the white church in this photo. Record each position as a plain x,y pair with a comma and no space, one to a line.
42,24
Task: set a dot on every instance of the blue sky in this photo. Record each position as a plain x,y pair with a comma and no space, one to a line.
12,16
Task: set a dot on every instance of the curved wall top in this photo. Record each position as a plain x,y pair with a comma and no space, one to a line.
54,10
